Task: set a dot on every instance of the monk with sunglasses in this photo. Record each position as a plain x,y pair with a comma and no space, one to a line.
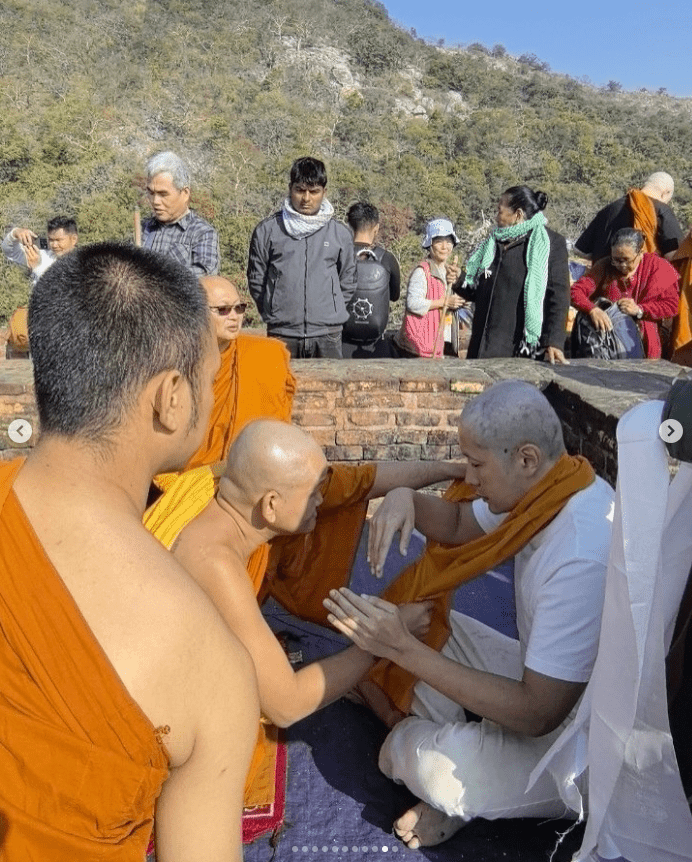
262,364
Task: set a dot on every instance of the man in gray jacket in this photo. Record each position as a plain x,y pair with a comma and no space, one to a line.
302,269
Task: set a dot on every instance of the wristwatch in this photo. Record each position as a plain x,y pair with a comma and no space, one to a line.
640,313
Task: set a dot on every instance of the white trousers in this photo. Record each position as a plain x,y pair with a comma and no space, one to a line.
465,768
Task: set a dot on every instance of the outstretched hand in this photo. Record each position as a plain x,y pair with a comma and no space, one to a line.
373,624
397,512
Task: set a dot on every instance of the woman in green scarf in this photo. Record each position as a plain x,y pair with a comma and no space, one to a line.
519,281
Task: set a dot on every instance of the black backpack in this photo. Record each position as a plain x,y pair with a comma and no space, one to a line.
622,342
368,311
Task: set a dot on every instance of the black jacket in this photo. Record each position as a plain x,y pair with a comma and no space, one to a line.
498,320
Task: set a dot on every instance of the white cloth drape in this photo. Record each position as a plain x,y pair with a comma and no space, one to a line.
637,807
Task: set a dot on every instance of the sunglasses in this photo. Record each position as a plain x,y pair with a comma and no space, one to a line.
225,310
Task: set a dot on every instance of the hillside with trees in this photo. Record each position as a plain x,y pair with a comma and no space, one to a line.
88,90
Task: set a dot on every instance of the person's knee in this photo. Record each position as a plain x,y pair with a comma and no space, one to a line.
415,755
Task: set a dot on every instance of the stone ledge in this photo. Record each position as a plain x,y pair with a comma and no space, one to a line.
404,409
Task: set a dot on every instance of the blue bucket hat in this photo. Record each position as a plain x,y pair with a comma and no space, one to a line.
438,227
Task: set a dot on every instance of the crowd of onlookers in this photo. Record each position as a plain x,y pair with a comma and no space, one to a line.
325,290
168,495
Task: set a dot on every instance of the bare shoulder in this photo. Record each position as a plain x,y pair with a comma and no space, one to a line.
162,634
223,576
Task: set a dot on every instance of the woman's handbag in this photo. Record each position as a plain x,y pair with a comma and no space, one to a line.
623,341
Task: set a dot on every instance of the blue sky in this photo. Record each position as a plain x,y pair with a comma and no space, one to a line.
637,44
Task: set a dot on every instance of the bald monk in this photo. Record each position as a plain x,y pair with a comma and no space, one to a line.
254,380
272,486
119,678
644,209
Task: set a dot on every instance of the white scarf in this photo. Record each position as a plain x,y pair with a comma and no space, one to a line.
298,225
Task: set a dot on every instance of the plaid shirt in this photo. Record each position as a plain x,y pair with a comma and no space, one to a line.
191,241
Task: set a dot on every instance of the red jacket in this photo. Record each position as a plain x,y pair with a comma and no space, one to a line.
653,286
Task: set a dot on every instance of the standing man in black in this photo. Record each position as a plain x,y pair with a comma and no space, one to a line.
663,228
379,283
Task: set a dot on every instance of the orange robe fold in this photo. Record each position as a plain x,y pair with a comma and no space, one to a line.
682,328
80,765
266,390
442,568
645,218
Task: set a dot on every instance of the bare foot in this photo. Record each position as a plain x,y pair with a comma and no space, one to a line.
424,826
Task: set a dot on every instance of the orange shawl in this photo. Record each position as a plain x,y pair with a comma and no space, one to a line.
682,330
253,382
184,498
80,764
442,568
645,218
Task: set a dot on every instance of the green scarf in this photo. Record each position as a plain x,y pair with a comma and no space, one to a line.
537,253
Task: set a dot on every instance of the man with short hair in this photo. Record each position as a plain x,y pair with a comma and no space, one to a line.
110,651
175,230
525,498
378,288
644,209
23,247
301,267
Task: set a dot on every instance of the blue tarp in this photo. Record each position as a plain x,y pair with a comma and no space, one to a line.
339,805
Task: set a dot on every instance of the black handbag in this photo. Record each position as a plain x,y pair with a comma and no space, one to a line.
623,341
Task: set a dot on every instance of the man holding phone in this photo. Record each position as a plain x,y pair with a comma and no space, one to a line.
22,246
25,248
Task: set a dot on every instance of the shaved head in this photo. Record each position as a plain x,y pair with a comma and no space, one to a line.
659,185
221,296
510,414
270,457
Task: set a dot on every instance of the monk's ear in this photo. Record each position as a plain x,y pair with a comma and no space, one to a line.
269,506
167,395
530,457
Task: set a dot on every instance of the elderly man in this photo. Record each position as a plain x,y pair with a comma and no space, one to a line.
644,209
117,670
272,486
175,230
253,382
547,510
301,268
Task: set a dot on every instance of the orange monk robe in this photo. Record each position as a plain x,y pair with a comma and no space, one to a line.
18,336
297,588
80,764
645,219
253,382
682,328
442,568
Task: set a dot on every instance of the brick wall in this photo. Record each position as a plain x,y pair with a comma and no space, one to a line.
401,410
